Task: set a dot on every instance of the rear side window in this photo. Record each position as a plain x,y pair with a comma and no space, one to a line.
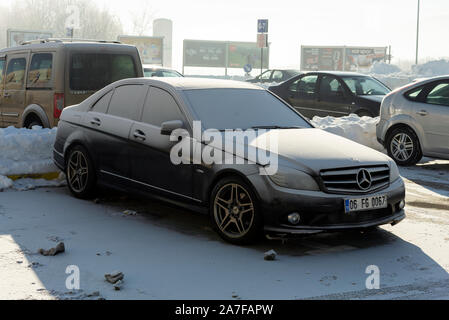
127,101
93,71
15,74
160,107
414,94
439,95
40,72
2,67
102,105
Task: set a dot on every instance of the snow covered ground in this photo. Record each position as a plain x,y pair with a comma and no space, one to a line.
170,253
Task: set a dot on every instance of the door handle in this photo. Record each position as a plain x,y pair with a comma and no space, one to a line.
423,113
95,122
139,135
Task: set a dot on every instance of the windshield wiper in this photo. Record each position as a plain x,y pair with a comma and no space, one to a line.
276,127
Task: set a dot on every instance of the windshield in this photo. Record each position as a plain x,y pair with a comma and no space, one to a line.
366,86
242,109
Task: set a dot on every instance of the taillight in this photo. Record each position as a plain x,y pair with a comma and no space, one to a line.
58,105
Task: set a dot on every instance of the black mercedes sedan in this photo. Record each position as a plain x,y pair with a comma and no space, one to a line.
229,149
333,93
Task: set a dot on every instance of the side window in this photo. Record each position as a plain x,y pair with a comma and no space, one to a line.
40,72
101,105
2,69
330,87
307,85
15,74
127,101
265,76
277,75
414,93
160,107
439,95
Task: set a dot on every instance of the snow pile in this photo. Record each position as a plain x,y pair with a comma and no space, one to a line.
359,129
5,183
24,151
384,68
432,68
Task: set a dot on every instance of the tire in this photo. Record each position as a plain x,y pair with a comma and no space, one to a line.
80,173
34,122
237,219
403,146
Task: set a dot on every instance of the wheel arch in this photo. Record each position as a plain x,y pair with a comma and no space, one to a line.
35,110
225,173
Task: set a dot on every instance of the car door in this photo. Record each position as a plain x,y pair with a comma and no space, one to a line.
333,99
13,98
432,112
109,122
151,165
2,70
302,94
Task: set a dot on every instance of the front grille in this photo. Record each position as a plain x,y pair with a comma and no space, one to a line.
344,181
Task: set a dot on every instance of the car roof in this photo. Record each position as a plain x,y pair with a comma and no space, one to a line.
339,73
192,83
60,44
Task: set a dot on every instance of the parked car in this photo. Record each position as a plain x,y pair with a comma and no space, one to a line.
120,137
333,93
277,75
159,71
39,78
414,121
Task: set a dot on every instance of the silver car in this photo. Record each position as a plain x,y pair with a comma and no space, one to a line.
414,121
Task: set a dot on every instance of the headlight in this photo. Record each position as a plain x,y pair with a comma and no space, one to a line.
394,172
294,179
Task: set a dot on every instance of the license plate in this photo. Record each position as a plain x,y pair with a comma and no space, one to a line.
366,203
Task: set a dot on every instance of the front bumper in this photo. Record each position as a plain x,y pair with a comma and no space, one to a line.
322,211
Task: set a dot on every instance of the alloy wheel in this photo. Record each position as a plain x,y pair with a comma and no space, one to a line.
402,146
234,210
78,171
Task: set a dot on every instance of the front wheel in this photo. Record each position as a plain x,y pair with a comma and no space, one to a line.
80,173
404,147
234,211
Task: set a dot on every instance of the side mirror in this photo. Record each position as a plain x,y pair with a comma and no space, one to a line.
168,127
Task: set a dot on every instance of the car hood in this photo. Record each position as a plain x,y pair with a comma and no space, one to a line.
312,150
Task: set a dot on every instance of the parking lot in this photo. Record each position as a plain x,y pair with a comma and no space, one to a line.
170,253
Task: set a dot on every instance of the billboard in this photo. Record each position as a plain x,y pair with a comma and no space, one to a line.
341,58
199,53
223,54
150,48
243,53
16,37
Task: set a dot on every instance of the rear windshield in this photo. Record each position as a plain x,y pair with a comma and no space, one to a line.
94,71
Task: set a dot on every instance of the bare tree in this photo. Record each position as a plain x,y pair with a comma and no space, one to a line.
142,18
52,15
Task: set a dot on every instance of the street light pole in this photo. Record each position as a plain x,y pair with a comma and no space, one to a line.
417,34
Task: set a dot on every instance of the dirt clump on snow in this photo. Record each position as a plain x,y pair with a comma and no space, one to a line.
53,251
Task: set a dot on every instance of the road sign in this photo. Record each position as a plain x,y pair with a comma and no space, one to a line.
262,26
248,68
262,40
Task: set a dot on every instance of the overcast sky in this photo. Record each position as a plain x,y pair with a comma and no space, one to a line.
308,22
303,22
